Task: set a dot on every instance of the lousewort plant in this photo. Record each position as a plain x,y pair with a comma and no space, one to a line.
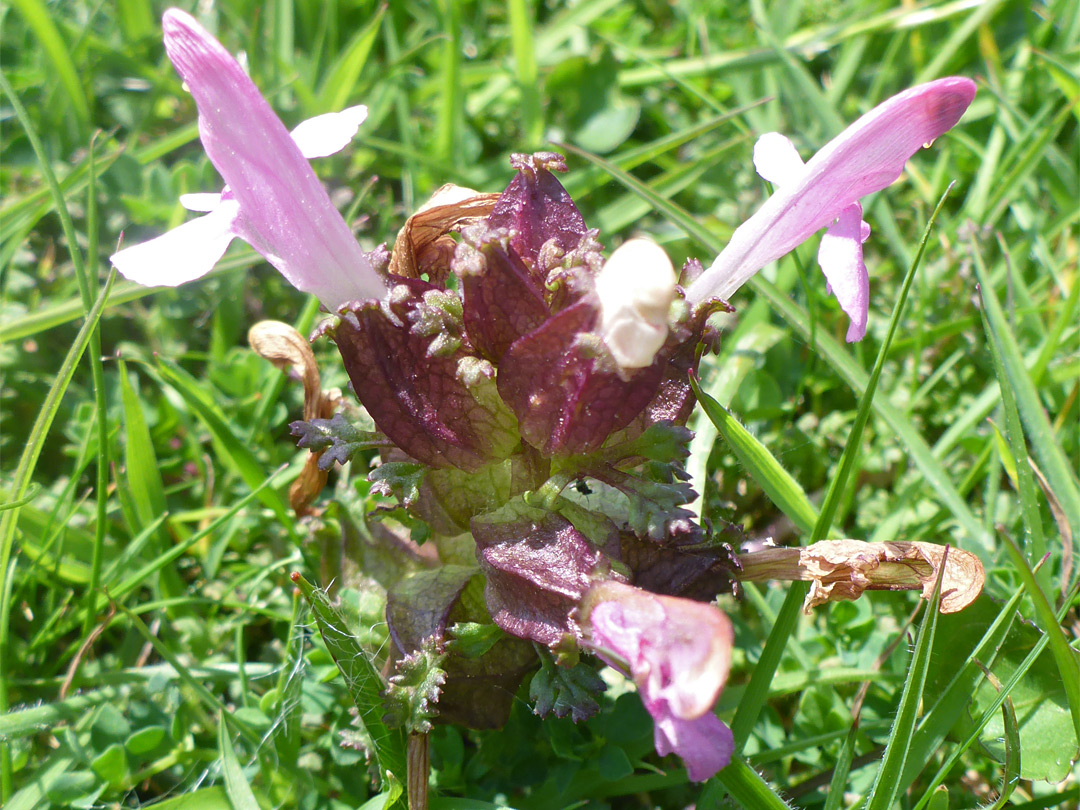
529,396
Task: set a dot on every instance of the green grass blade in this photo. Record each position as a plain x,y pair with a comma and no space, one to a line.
1016,446
35,794
521,39
101,487
748,788
230,449
1016,385
143,475
1041,134
27,722
451,118
21,482
942,716
211,798
339,86
236,784
40,21
973,735
887,782
1011,776
757,691
140,460
1066,658
361,679
945,51
136,19
783,490
851,450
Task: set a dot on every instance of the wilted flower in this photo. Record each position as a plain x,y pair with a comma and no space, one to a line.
272,199
679,653
866,157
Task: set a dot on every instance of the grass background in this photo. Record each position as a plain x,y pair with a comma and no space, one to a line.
139,444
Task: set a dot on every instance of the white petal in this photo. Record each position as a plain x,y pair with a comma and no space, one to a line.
776,159
841,258
636,287
182,254
200,202
330,133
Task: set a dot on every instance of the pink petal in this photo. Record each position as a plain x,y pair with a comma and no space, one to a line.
776,159
864,158
678,650
328,134
286,213
705,745
182,254
841,258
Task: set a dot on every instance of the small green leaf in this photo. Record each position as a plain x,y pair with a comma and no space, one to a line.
613,763
412,695
473,639
112,765
887,781
1008,460
337,437
361,678
565,691
146,739
69,788
389,796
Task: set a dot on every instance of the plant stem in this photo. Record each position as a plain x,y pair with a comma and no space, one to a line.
418,765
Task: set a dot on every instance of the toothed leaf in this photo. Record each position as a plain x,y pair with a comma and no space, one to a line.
413,692
565,691
337,437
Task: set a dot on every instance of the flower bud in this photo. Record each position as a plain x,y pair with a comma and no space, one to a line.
636,288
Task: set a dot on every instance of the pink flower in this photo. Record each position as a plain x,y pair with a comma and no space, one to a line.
864,158
679,653
272,199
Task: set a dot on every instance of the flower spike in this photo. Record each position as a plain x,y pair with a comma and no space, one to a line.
866,157
273,199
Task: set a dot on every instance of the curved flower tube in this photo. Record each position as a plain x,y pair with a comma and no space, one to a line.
273,200
866,157
679,654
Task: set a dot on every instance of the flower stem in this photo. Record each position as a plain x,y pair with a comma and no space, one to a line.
418,767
